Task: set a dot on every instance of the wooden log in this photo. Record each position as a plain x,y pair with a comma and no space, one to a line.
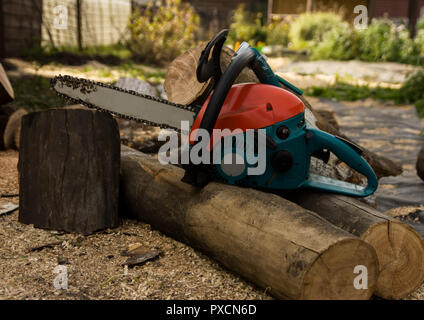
420,163
12,131
69,170
5,112
6,90
182,87
290,251
400,249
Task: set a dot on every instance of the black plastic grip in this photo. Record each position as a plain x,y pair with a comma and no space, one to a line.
242,59
207,68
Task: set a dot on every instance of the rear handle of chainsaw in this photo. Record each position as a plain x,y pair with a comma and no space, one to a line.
207,68
318,140
240,60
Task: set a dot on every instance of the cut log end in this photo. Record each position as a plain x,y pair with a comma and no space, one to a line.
400,251
332,275
399,247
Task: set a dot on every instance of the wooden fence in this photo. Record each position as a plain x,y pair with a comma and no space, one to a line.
73,23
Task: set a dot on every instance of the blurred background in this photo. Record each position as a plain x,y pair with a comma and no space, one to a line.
79,24
108,39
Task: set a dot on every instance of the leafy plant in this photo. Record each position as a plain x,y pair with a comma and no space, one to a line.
412,91
420,23
277,33
385,41
164,32
419,46
247,27
309,29
338,43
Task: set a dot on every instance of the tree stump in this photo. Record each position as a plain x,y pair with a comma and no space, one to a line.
69,170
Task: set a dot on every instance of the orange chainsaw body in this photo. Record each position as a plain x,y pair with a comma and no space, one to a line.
253,106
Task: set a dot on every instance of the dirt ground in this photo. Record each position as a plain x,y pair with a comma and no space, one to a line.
94,262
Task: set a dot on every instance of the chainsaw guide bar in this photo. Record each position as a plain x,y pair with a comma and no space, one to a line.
60,83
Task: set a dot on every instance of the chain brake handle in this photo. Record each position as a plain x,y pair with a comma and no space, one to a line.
207,68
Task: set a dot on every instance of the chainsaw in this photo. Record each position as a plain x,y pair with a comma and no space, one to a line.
271,107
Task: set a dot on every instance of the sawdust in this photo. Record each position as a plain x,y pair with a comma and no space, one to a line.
94,263
9,173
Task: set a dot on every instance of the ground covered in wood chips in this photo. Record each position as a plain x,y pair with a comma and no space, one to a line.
28,256
94,262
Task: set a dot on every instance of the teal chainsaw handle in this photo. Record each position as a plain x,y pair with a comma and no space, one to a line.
318,140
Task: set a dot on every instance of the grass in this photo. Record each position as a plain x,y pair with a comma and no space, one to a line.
342,91
150,74
348,92
33,93
68,55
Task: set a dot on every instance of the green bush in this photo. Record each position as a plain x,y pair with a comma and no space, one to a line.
384,41
247,27
326,36
412,91
277,33
162,33
309,29
419,46
420,23
338,43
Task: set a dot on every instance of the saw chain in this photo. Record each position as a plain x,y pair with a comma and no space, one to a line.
89,85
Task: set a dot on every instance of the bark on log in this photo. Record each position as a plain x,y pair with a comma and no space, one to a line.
268,240
182,87
69,170
400,249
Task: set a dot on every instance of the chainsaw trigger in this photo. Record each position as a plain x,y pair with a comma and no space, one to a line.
323,154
